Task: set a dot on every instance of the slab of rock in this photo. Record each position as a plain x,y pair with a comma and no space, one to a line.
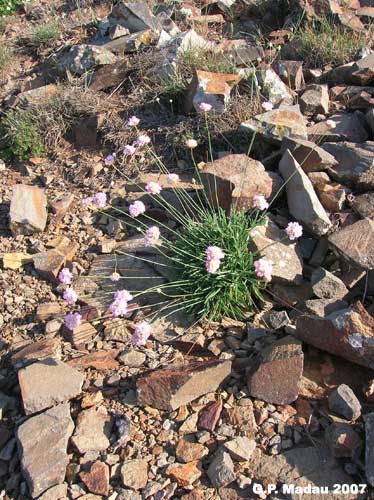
15,260
221,470
369,448
100,360
303,202
314,100
326,285
42,442
343,441
273,244
310,156
355,243
80,335
237,179
349,127
93,429
97,478
57,492
134,474
286,121
188,450
304,467
240,448
347,333
344,402
275,374
135,16
109,76
36,351
81,58
332,196
212,88
49,263
48,383
174,386
184,474
28,210
209,416
355,164
47,310
364,205
362,71
132,358
275,90
323,307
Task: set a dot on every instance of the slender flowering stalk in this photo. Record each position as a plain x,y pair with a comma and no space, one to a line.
70,295
263,269
294,230
65,276
137,208
260,202
73,320
153,188
141,333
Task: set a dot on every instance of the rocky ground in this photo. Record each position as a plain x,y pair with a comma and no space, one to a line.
259,408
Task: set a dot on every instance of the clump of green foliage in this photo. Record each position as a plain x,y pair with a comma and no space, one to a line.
22,132
8,6
321,42
44,34
234,289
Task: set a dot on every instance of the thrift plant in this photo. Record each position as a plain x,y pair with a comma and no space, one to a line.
214,273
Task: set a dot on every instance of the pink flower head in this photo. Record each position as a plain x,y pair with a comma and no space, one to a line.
330,124
123,295
263,269
152,236
204,107
87,201
173,178
73,320
99,200
119,306
141,333
294,230
267,105
137,208
65,276
109,159
142,140
70,295
212,265
129,150
260,202
133,121
115,277
213,252
191,143
153,187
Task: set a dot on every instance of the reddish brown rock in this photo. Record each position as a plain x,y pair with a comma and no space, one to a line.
356,243
100,360
171,387
209,416
184,474
97,478
276,373
310,156
84,333
343,441
61,206
49,263
332,196
237,179
28,210
188,450
348,333
92,431
36,351
47,310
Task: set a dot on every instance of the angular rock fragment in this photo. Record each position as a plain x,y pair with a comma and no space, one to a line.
326,285
221,470
291,73
344,402
286,121
49,263
134,474
369,448
364,205
135,16
109,76
209,416
97,478
355,164
28,210
272,243
323,307
36,351
362,72
356,243
80,335
15,260
93,429
275,374
348,127
236,179
343,441
240,448
184,474
48,383
47,310
303,202
314,100
274,88
211,88
310,156
81,58
332,196
188,450
171,387
57,492
42,442
347,333
100,360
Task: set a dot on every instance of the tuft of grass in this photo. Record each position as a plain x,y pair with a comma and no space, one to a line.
322,42
234,289
43,35
5,60
23,134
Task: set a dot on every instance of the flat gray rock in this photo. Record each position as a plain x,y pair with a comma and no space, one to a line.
93,429
42,443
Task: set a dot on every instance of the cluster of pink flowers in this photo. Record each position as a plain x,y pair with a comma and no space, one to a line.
119,306
73,320
99,200
65,276
141,333
263,269
109,159
129,150
115,277
142,140
204,107
137,208
267,105
191,143
152,236
133,121
294,230
214,255
173,178
260,202
153,187
70,295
